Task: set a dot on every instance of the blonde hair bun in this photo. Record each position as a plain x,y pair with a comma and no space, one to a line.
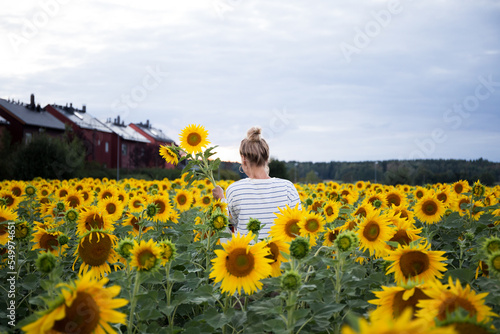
253,133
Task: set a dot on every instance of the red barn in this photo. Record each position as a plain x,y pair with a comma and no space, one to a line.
96,137
28,120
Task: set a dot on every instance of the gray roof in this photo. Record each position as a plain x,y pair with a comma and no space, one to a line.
154,132
81,118
34,117
125,132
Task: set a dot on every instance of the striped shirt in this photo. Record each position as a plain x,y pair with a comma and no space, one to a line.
259,199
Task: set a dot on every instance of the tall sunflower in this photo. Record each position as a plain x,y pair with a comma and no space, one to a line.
460,187
7,199
96,249
373,232
162,202
132,220
395,198
47,241
286,226
330,236
240,265
416,262
429,209
448,298
406,232
169,155
193,138
84,306
137,203
331,210
112,207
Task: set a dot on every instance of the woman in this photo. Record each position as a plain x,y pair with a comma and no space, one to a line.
258,196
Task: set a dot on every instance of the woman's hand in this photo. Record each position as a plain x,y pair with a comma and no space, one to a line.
217,192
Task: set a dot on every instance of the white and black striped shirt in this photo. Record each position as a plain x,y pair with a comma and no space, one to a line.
259,199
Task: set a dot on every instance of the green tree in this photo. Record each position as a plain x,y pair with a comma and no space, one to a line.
278,169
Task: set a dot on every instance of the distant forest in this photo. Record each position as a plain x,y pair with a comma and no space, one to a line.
391,172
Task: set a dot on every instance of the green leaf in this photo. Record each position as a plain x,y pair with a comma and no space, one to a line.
464,275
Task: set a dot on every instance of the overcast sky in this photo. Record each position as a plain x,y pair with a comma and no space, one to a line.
327,80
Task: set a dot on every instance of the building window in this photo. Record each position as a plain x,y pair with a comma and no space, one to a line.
124,149
106,147
27,137
98,142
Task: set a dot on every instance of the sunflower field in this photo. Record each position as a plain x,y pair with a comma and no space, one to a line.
136,256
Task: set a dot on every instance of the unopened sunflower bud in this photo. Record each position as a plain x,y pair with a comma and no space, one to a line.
254,225
46,262
346,241
151,210
291,281
63,239
299,248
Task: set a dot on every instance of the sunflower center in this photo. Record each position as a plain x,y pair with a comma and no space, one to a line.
393,199
333,235
312,225
291,228
95,249
329,211
419,194
429,208
413,263
206,200
181,199
146,259
371,231
239,263
351,225
16,191
133,221
194,139
275,251
219,222
496,263
401,237
73,201
459,188
465,327
111,208
454,302
81,317
442,197
106,194
48,242
63,193
399,304
94,221
361,212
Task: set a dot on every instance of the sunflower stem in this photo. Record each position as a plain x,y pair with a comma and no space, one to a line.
133,303
290,306
168,292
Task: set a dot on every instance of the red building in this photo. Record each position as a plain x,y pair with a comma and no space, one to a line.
28,120
97,138
156,138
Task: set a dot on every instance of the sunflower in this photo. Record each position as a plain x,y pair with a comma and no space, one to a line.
416,262
406,232
330,236
183,200
7,199
47,241
240,265
112,207
16,188
276,249
205,201
311,225
86,293
169,155
373,232
429,209
386,324
6,215
92,217
132,220
395,198
137,203
395,299
448,298
168,251
193,138
146,256
363,210
96,249
460,187
163,205
331,211
22,230
107,191
286,226
74,199
493,263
